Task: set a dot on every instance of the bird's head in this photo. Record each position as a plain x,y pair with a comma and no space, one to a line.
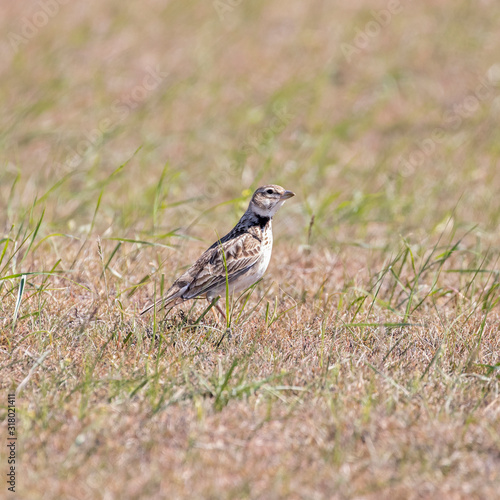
267,200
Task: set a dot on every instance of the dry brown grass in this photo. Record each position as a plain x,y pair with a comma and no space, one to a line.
365,364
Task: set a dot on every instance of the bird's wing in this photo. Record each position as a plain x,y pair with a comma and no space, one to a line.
242,251
209,272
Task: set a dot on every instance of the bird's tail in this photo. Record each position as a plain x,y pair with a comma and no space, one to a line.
173,298
154,304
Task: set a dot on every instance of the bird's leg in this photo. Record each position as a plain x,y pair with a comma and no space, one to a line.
228,329
222,312
214,303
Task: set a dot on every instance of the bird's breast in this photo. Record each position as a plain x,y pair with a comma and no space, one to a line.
266,249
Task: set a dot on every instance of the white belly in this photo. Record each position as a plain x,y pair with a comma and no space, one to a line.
258,270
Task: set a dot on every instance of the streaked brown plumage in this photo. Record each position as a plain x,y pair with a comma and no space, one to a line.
247,249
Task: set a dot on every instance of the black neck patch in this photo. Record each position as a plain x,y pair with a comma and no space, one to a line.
262,221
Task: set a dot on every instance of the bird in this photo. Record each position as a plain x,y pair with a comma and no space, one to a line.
245,252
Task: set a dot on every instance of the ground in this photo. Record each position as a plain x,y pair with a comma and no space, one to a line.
365,364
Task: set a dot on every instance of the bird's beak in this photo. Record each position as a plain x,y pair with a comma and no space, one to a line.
287,194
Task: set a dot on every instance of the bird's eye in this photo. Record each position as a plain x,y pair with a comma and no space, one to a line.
269,191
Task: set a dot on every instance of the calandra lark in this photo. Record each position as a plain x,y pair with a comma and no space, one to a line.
246,250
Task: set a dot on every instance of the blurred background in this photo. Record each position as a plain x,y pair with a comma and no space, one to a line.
381,115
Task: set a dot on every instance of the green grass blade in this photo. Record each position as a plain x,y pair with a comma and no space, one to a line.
22,283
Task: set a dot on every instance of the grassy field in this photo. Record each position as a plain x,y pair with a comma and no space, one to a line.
366,363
